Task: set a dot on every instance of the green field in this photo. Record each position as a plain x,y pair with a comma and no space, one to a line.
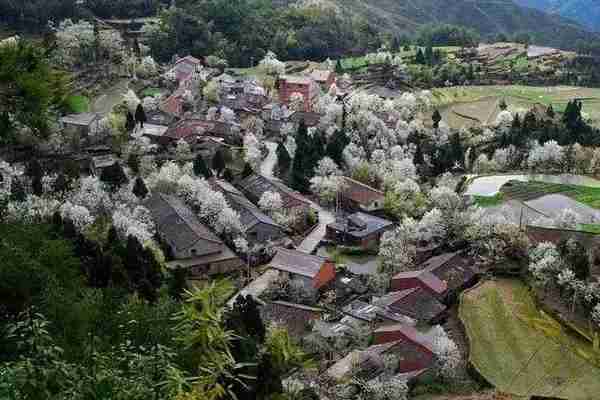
522,351
489,201
470,105
151,92
525,191
78,104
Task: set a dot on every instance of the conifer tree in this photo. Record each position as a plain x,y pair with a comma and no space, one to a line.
420,57
284,161
140,115
114,176
247,170
550,112
129,122
133,162
336,146
301,166
228,175
218,162
139,188
200,168
437,118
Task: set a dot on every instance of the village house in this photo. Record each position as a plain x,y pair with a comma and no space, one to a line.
358,230
416,303
254,186
258,228
99,163
296,318
81,125
412,348
191,244
419,279
184,69
368,364
360,197
174,104
312,273
155,133
455,269
374,314
310,118
538,234
324,78
306,86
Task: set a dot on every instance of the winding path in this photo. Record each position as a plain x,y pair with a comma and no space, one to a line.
310,243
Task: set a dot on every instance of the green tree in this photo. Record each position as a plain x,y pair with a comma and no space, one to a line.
336,146
114,176
139,188
284,161
247,171
437,118
218,162
133,162
140,115
31,92
200,168
302,166
129,122
420,57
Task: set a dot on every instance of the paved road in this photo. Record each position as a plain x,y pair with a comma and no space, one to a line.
268,164
310,243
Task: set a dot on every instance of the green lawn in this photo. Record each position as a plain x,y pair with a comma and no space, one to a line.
78,104
591,228
521,350
151,92
489,201
531,190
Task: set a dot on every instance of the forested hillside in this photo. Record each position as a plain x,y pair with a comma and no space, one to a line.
586,12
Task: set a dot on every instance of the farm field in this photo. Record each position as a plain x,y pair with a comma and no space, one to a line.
526,191
522,351
472,105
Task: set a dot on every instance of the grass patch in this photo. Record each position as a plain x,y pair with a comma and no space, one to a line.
489,201
523,351
531,190
590,228
78,104
151,92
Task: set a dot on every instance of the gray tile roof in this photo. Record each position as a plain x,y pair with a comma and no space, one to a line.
256,185
179,226
81,119
297,262
361,225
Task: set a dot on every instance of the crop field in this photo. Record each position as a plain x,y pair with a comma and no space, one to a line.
78,104
522,351
526,191
469,105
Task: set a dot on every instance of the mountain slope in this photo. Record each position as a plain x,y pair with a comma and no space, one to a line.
586,12
488,17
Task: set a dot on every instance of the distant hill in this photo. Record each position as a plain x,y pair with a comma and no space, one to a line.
586,12
488,17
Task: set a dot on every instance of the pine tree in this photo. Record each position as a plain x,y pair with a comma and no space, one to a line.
218,162
114,176
284,161
200,168
129,122
244,319
140,115
503,106
437,118
139,188
420,57
550,112
113,236
133,162
247,170
336,146
301,167
456,148
429,56
60,184
35,172
339,70
177,282
17,191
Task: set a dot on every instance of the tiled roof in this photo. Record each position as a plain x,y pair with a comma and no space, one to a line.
81,119
409,333
415,303
361,193
453,268
297,262
154,130
361,225
428,279
188,59
296,79
173,105
294,317
256,185
250,215
188,127
179,226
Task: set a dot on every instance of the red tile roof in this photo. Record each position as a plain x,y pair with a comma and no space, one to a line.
428,279
361,193
188,127
409,333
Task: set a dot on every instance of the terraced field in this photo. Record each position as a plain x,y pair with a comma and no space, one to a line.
526,191
522,351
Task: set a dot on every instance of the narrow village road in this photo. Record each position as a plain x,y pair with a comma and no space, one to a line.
310,243
268,165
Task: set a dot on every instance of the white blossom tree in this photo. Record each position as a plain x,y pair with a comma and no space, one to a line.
253,153
327,182
270,202
448,355
79,215
183,151
271,65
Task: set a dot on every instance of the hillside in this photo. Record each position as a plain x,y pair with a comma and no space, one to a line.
488,17
586,12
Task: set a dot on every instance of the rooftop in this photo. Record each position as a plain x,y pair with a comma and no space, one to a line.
427,278
81,119
415,303
360,225
297,262
361,193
